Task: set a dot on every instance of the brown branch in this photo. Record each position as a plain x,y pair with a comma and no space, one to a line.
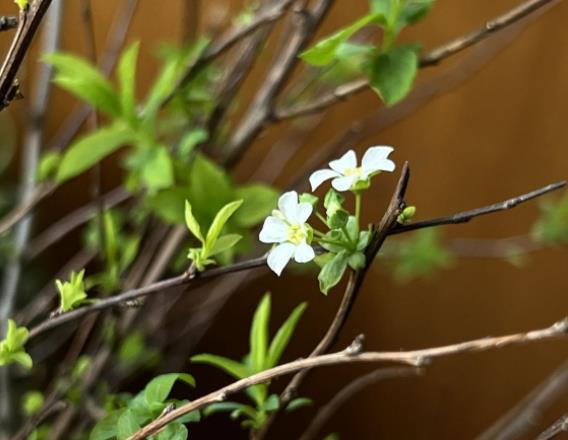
262,106
351,355
557,428
527,413
466,216
347,393
28,24
432,58
18,213
384,229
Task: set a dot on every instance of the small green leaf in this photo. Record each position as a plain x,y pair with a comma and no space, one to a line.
83,80
32,402
222,407
107,427
91,149
414,11
158,172
224,242
168,204
392,73
126,425
259,335
325,51
48,165
71,293
172,431
309,198
192,223
338,219
272,403
23,4
357,261
127,81
159,388
190,140
406,215
229,366
283,335
332,272
258,202
217,226
12,347
552,226
298,403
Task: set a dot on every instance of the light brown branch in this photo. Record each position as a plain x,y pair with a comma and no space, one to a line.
353,355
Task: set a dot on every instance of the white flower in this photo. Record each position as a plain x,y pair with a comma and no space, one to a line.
345,172
287,227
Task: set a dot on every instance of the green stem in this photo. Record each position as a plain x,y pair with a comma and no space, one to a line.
358,207
321,218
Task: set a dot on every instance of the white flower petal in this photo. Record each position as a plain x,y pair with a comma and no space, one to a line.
288,205
273,230
318,177
303,213
375,159
348,160
304,253
344,183
279,257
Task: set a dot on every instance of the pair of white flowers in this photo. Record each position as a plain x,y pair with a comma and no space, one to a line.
287,227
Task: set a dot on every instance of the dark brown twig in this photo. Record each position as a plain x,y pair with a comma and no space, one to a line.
7,23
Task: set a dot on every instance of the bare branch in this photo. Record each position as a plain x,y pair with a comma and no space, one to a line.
353,355
557,428
466,216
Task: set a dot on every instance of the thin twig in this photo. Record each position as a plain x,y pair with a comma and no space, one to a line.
528,412
346,394
353,354
431,58
466,216
190,276
557,428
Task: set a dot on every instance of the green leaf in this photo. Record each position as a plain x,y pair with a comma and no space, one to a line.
218,223
192,223
159,388
172,431
259,334
22,4
91,149
421,255
357,261
325,51
158,171
127,425
224,242
309,198
258,202
272,403
392,73
552,226
414,11
32,402
205,176
71,293
332,272
127,81
229,366
12,347
83,80
168,204
222,407
190,140
107,427
298,403
48,165
283,335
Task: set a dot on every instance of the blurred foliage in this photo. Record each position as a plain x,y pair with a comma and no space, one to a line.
552,226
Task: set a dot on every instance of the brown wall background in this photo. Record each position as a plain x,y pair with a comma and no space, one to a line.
501,133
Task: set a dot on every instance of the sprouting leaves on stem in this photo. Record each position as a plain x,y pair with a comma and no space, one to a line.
263,354
12,346
72,293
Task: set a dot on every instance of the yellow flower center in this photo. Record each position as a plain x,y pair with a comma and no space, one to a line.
296,234
353,172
